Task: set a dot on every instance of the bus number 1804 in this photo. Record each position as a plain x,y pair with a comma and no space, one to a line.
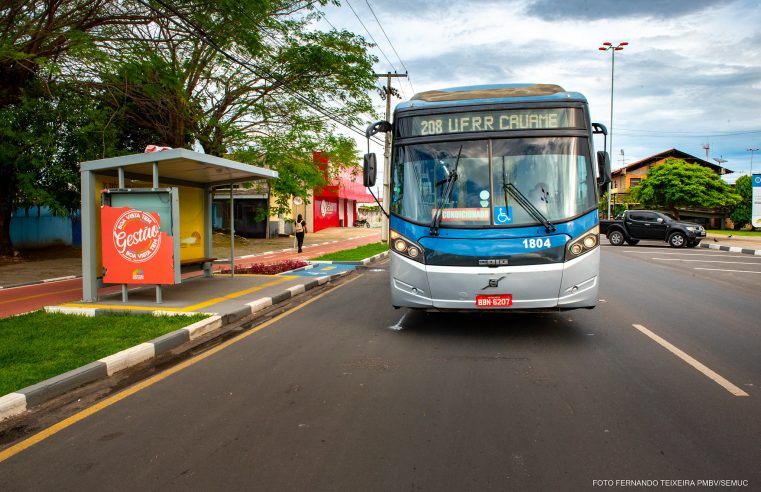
536,243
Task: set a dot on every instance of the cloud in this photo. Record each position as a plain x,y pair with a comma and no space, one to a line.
612,9
690,75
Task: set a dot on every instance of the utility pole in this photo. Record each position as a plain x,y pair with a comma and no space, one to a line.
387,149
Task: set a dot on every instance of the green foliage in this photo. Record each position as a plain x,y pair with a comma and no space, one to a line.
741,211
675,183
171,86
620,203
43,138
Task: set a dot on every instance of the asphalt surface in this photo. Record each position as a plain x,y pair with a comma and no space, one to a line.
346,393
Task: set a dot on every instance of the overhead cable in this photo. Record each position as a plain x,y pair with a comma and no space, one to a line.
392,45
257,71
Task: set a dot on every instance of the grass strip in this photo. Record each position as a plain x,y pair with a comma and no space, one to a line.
734,233
40,345
356,254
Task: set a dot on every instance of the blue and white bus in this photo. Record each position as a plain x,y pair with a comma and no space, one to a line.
493,199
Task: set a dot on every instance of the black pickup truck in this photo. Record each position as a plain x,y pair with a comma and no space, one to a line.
634,225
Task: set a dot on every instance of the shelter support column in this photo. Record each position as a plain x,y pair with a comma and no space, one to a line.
232,233
208,246
89,239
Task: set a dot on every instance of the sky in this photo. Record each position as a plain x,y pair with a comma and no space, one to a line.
690,76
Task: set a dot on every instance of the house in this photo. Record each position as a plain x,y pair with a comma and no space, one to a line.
631,175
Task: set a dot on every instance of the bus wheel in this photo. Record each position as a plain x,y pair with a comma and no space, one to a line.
616,238
677,240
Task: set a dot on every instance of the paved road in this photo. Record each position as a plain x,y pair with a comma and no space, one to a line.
29,298
347,393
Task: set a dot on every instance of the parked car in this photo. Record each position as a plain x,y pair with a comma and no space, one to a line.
634,225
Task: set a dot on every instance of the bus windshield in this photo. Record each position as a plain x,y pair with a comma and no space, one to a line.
494,180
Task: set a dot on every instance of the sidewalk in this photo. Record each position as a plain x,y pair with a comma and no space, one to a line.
40,291
66,262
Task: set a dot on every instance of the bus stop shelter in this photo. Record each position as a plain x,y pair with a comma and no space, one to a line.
156,208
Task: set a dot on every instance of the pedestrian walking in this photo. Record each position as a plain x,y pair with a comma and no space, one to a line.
300,227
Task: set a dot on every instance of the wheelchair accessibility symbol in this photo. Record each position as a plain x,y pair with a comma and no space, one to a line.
503,215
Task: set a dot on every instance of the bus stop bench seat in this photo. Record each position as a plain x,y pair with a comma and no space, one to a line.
194,264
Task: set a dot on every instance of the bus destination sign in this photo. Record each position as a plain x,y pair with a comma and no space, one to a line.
494,121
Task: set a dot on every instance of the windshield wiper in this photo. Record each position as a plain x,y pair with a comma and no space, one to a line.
451,178
530,208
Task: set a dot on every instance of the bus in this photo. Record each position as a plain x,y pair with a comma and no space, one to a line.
493,199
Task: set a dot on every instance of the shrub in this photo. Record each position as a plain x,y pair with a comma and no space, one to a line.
268,268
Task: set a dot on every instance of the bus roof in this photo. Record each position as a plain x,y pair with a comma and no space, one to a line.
490,94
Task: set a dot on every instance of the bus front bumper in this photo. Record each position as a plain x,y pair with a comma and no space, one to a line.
570,285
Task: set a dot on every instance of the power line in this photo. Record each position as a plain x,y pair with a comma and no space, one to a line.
281,44
390,43
373,39
325,18
668,134
206,38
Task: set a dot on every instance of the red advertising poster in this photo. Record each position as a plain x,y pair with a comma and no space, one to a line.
325,213
135,251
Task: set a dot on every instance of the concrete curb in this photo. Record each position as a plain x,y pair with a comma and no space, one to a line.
732,249
362,262
38,282
22,400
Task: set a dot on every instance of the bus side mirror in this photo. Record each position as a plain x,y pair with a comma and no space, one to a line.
603,168
369,170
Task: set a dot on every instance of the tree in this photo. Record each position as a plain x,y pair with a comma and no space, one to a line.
157,67
741,211
675,183
619,204
39,40
42,141
174,81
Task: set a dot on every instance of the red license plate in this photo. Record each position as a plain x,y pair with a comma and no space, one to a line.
501,300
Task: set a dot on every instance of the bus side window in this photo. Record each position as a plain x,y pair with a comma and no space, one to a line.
581,172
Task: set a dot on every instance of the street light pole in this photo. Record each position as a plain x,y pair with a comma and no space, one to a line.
751,150
608,46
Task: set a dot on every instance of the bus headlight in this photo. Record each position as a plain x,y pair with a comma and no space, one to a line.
585,243
406,248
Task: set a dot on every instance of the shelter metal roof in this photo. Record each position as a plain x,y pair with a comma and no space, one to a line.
182,166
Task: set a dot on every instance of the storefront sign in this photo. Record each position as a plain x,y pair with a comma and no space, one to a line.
135,251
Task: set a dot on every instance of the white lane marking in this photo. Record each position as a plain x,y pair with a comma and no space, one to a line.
398,326
709,261
709,373
720,254
725,270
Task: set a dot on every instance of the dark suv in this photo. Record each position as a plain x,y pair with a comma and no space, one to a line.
649,224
